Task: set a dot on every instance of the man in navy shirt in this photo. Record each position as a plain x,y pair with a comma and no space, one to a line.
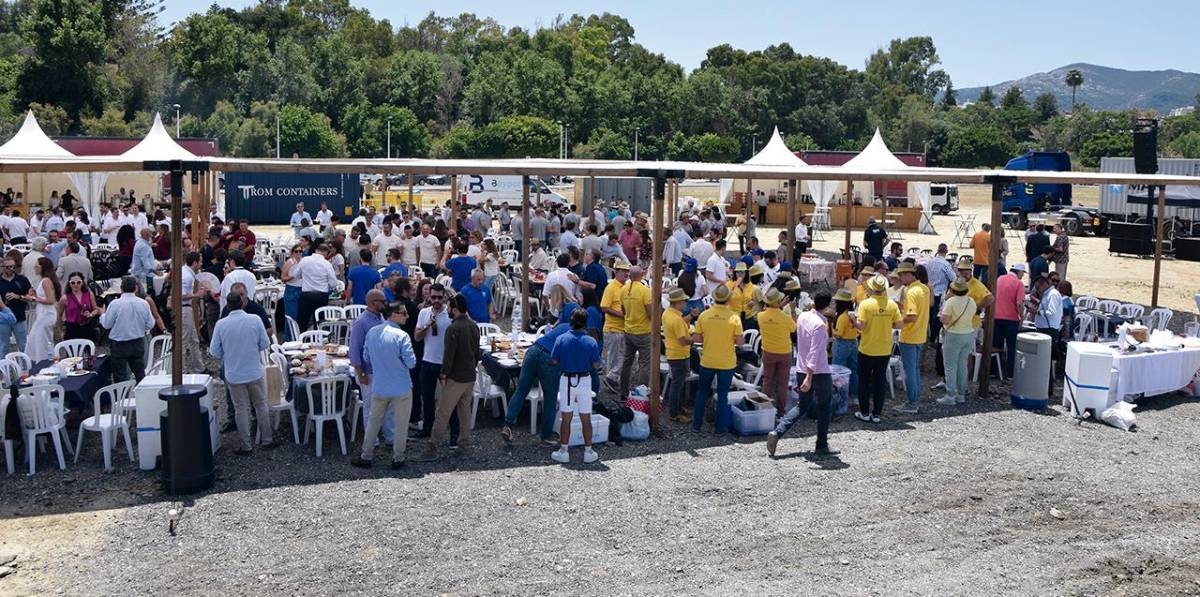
578,356
460,267
362,278
1040,266
874,238
395,265
537,368
479,298
593,272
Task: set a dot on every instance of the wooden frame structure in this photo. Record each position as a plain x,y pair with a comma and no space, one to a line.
663,173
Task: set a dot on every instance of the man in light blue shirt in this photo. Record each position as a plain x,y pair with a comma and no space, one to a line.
297,217
54,247
237,340
143,265
389,349
127,320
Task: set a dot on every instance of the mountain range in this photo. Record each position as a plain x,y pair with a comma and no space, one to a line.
1106,88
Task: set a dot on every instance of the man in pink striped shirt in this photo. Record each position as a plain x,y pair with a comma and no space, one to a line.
816,383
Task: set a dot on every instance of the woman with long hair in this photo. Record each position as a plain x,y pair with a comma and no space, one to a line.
39,344
125,241
688,282
77,310
489,259
291,288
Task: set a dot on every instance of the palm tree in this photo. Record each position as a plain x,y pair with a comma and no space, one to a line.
1074,80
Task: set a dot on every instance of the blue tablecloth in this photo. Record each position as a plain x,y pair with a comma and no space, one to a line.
80,389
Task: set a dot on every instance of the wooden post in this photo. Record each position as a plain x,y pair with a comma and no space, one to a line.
592,195
998,184
791,222
176,273
199,202
750,199
849,215
453,205
525,273
656,291
1158,243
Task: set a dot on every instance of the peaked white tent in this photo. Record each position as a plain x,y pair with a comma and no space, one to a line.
158,145
877,156
774,153
31,142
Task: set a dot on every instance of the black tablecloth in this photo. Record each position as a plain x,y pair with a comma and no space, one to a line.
505,377
80,389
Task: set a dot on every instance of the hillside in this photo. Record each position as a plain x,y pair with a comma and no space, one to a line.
1107,88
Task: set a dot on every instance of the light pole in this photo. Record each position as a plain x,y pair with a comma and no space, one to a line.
561,136
277,152
389,139
753,143
635,144
176,106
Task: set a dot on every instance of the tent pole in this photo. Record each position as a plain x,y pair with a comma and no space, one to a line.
849,216
592,195
791,222
656,291
525,273
993,266
1158,242
176,273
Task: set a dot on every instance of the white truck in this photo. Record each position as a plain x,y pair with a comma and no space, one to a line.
475,189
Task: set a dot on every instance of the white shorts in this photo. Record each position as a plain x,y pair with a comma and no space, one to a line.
575,394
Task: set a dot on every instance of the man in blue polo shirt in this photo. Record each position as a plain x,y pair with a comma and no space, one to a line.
479,299
395,265
361,279
536,367
578,357
460,267
594,272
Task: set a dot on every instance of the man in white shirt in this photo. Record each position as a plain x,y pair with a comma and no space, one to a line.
324,216
432,323
672,255
561,277
386,241
802,239
297,216
770,267
539,260
317,280
137,219
428,251
568,238
700,250
505,217
716,269
128,320
55,222
408,248
16,228
239,273
190,291
108,224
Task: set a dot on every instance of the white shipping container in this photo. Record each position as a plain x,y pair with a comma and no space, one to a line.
1113,197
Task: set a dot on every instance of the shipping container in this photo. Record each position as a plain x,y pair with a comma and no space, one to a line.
634,191
271,198
1114,198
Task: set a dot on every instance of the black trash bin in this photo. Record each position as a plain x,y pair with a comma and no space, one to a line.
187,459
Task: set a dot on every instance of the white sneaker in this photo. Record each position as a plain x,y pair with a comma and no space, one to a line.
939,385
561,455
875,418
947,401
590,456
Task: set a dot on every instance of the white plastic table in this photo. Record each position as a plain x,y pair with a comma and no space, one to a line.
149,407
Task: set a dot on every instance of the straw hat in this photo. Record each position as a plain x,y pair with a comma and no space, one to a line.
877,284
721,294
785,275
773,297
843,295
676,295
621,265
756,270
740,267
965,263
906,268
959,285
792,284
867,271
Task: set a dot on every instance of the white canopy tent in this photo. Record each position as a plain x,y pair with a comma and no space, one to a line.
877,156
774,153
157,145
32,142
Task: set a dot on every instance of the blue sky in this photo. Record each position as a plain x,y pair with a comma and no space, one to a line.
980,42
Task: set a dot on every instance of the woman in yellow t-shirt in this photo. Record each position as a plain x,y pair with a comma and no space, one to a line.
776,329
845,337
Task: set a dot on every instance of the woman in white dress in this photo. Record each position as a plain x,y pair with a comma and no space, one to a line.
40,343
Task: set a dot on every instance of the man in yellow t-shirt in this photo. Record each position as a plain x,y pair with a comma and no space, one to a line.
875,319
719,332
677,336
913,334
614,324
976,289
635,304
776,331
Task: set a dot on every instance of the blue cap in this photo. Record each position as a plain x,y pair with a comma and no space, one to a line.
785,265
758,251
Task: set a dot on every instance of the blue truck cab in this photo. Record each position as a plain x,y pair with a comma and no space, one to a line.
1022,199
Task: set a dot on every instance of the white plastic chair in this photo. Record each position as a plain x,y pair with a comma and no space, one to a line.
314,336
353,312
329,314
1131,311
488,328
486,391
158,347
10,373
22,360
1085,327
108,424
976,357
1086,303
161,366
293,328
1160,318
1109,306
74,348
334,392
42,412
1191,329
278,359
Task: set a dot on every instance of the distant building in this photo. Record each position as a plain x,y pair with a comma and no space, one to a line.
1182,111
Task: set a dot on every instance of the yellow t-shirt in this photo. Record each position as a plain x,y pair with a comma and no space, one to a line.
843,329
634,298
612,300
719,325
916,302
674,328
977,291
776,329
982,243
750,298
860,293
736,301
878,314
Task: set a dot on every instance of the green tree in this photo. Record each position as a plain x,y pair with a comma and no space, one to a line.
110,123
366,129
987,97
1013,98
1074,80
307,134
950,96
210,56
607,144
711,147
1187,146
517,137
68,43
977,145
1106,144
1046,105
53,119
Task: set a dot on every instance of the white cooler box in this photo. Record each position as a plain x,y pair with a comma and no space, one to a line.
149,407
599,430
1090,378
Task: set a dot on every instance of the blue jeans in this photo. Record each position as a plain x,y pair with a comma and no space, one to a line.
818,395
1005,332
910,357
16,330
291,306
724,378
845,353
981,272
536,368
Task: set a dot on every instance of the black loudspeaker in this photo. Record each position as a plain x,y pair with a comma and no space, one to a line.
1130,239
1187,249
1145,146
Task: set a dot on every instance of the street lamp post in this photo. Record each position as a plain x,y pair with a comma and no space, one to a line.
389,139
561,136
277,152
753,143
635,144
176,106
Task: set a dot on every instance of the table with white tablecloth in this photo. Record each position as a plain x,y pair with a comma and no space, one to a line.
1153,373
815,269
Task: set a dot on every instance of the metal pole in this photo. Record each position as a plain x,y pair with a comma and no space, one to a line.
454,204
656,290
749,200
635,145
791,222
525,251
411,176
849,215
1158,243
985,371
389,139
278,153
176,273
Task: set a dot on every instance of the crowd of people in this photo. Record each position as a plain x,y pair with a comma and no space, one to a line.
427,278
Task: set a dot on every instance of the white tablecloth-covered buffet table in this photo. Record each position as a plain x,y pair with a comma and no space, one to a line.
1099,375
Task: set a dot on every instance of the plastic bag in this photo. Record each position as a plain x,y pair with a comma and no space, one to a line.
638,429
1120,415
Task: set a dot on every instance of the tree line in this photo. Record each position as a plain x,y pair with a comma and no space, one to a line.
334,81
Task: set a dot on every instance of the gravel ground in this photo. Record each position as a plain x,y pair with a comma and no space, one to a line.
974,500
